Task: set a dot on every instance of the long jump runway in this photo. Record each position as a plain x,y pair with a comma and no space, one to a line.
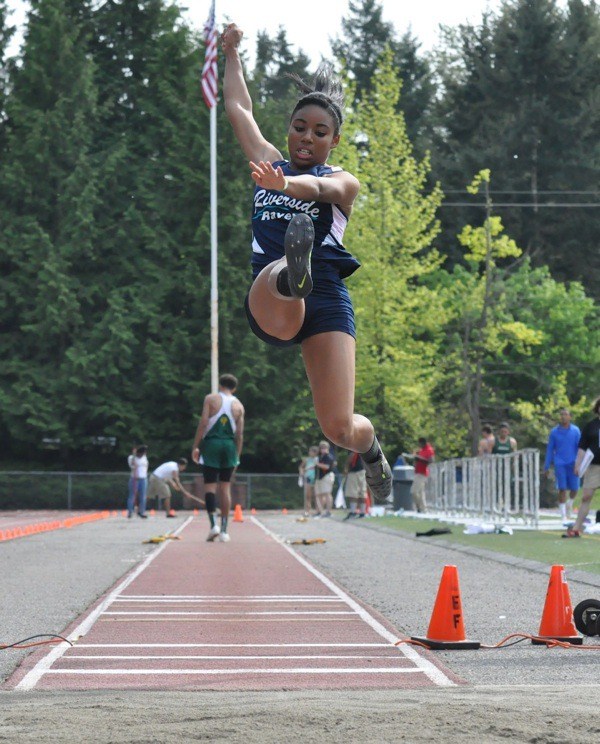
251,614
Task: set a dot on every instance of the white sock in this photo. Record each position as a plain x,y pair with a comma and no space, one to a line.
563,510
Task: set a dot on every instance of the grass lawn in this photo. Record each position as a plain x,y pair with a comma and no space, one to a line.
546,547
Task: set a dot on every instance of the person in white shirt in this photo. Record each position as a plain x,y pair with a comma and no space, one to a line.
164,476
138,481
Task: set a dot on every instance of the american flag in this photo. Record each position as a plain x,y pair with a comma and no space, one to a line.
209,71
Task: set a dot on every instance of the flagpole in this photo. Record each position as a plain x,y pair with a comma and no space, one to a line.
210,95
214,284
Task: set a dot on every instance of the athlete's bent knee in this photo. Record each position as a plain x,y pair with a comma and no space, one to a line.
211,502
338,432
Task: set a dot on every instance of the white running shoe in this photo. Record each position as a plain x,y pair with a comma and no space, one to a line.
214,533
224,537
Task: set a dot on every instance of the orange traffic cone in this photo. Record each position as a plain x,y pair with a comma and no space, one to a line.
253,511
196,512
152,512
557,617
367,503
237,513
446,628
284,510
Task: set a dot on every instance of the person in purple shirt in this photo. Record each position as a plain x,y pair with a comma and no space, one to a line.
562,453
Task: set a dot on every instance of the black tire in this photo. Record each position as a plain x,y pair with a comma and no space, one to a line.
587,617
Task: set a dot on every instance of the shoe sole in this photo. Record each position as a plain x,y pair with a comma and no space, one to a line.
212,538
384,482
299,239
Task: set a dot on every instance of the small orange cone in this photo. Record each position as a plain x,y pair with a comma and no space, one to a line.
367,503
152,512
284,510
237,513
557,617
196,512
253,511
446,628
172,513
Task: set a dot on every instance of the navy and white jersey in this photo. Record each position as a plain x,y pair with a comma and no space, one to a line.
272,211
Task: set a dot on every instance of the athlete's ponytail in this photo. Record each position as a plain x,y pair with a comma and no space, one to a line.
325,91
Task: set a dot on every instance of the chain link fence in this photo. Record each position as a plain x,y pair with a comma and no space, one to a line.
72,490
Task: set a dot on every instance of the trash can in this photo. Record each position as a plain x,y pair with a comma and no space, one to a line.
402,478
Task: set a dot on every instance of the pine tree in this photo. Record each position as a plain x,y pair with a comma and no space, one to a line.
516,99
153,137
6,33
48,194
365,37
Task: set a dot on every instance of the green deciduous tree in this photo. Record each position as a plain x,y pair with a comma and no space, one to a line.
516,338
392,227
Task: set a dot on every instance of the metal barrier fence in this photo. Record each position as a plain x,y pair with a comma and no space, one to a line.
71,490
491,488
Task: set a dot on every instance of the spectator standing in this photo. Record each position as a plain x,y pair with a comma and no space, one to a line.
590,440
165,477
131,481
504,444
217,447
355,487
138,481
422,456
308,471
487,441
561,453
325,480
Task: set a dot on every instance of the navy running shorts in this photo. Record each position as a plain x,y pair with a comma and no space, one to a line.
566,480
327,308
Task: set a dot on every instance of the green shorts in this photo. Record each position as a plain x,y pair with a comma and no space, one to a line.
219,453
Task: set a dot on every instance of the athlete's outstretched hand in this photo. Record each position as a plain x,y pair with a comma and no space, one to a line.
231,37
265,175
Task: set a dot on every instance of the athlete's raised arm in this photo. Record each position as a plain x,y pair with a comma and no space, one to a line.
238,104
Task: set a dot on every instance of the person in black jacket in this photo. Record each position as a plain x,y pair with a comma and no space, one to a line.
590,440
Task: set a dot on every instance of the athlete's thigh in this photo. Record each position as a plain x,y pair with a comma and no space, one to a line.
330,366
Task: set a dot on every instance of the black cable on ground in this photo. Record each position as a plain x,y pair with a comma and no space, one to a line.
53,638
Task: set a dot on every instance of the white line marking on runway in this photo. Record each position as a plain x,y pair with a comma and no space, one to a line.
43,666
231,597
258,670
213,600
435,675
237,657
233,645
237,614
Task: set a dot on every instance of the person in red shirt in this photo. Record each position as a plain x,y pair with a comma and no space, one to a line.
422,457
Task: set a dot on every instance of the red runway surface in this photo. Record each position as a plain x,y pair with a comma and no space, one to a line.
251,614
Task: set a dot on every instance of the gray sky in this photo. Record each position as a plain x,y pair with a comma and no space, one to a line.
311,23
